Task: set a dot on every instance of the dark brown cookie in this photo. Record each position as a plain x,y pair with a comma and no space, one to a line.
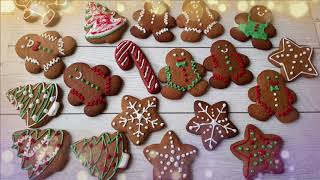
171,159
182,74
90,86
272,97
257,25
227,65
44,52
43,152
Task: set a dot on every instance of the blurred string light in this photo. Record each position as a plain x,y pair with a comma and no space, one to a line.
212,2
7,6
270,5
298,9
120,7
252,3
222,7
243,6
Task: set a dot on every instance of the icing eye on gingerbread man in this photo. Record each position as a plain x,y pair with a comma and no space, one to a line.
77,74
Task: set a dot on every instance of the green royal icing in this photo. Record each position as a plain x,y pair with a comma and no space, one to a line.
250,29
180,88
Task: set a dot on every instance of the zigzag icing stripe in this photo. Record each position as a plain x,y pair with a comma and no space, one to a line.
187,29
60,46
32,60
141,28
141,16
186,16
208,29
48,36
47,66
161,31
166,18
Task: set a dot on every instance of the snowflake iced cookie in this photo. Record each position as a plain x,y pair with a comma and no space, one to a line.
197,19
90,86
43,152
37,103
104,156
154,19
227,65
103,25
46,10
44,52
272,97
182,74
139,118
259,152
293,59
257,25
171,159
211,123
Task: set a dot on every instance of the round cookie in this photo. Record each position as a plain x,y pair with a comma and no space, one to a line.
227,65
182,74
272,97
257,25
197,19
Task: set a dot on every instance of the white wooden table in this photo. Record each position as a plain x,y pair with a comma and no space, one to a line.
302,142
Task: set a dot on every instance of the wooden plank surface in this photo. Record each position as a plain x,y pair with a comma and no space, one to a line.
301,139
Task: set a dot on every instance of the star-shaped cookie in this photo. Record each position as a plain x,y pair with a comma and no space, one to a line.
138,118
171,159
293,59
212,123
259,152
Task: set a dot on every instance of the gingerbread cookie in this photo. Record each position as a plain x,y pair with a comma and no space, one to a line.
182,74
128,53
294,60
259,152
197,19
44,52
104,156
37,103
90,86
139,118
171,159
103,25
257,25
46,10
154,19
272,97
43,152
227,65
212,123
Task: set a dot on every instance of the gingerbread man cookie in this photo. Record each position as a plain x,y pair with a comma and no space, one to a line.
259,152
139,118
90,86
255,25
293,59
44,52
182,74
46,10
212,123
227,65
198,18
154,19
171,159
272,97
103,25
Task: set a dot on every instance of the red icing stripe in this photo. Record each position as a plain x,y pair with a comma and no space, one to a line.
77,94
97,101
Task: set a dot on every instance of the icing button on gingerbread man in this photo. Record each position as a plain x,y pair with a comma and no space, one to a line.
227,65
182,74
90,86
255,25
272,97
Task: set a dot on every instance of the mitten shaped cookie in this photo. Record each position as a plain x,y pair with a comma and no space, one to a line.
46,10
255,25
198,18
272,97
103,25
154,19
227,65
182,74
44,52
90,86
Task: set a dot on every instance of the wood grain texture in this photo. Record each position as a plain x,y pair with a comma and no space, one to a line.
301,137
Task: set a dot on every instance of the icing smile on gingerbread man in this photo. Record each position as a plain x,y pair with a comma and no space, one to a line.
181,60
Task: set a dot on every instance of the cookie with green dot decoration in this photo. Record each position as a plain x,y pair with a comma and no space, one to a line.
259,152
272,97
89,86
37,103
44,52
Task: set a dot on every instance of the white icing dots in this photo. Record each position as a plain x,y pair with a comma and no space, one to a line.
291,72
52,99
310,69
296,56
34,117
294,62
31,106
30,95
45,110
25,93
126,98
37,101
45,96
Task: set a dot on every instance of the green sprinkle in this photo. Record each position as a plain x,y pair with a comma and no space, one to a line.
240,148
263,146
70,77
82,80
247,149
254,139
255,155
268,77
219,47
87,82
255,163
230,68
45,49
228,62
40,47
92,85
255,146
260,159
226,57
97,88
267,154
270,146
251,133
270,162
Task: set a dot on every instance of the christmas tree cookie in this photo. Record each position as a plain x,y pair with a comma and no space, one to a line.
104,156
37,103
43,152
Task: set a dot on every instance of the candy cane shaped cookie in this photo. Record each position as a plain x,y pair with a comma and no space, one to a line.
128,52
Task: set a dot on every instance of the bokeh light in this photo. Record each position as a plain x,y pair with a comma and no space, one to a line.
222,7
270,5
120,7
243,6
7,6
212,2
298,9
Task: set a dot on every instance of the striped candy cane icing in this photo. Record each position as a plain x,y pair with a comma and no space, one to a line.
128,52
